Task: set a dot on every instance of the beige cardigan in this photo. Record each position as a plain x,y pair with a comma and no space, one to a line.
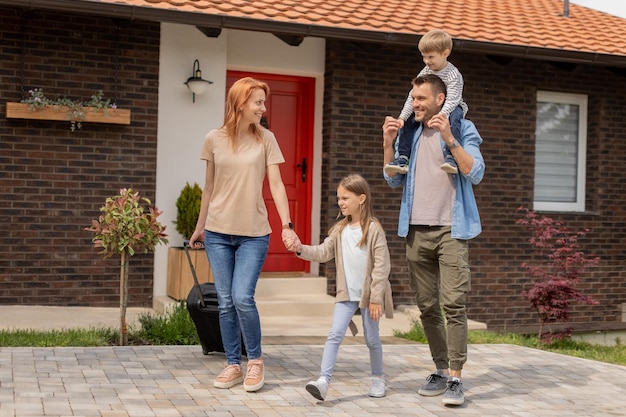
376,287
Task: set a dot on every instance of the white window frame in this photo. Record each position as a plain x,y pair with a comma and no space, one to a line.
581,101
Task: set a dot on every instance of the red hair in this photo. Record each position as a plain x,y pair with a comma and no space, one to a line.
237,96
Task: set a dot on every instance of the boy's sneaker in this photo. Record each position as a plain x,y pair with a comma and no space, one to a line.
454,393
399,166
377,389
449,168
230,376
318,388
435,385
255,375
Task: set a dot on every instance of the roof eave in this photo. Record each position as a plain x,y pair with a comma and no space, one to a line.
542,54
123,11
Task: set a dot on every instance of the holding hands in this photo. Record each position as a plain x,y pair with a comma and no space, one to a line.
291,241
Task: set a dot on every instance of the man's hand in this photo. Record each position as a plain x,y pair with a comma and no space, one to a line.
440,122
390,131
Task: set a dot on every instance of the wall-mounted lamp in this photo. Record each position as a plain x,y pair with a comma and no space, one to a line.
195,83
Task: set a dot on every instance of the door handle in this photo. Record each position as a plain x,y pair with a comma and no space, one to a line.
303,166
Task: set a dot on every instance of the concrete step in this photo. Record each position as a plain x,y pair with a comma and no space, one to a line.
286,305
294,296
289,284
299,305
285,296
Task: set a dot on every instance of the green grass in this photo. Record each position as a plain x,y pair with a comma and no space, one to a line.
173,328
70,337
177,328
609,354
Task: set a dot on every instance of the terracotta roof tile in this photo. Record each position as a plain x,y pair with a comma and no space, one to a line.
532,23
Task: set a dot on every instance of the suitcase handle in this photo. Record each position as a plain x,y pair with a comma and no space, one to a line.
193,273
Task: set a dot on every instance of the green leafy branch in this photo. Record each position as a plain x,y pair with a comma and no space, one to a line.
124,228
125,225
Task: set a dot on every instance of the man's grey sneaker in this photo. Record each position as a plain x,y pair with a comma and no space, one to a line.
454,393
399,166
435,385
377,389
318,388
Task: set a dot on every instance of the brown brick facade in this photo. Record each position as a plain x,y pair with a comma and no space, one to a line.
364,83
52,180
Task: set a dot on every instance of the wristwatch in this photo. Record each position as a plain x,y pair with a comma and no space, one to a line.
288,226
455,144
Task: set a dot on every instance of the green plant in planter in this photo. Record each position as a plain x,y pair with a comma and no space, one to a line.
75,109
188,210
124,228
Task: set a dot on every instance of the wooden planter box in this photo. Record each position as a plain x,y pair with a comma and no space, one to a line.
21,111
179,277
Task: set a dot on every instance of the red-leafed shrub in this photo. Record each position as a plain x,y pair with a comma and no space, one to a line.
555,279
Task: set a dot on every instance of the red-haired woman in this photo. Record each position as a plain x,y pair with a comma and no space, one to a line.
234,225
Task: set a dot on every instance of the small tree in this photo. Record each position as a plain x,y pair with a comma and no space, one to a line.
554,286
188,210
124,228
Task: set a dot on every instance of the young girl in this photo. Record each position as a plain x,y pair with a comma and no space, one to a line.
358,244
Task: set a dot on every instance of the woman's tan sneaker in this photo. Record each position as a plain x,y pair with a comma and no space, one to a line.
255,375
229,377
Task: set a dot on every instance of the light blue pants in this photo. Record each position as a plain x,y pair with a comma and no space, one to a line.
344,311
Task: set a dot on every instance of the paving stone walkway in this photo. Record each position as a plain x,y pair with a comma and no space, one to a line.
176,381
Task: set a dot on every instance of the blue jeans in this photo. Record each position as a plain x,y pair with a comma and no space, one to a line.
344,311
236,262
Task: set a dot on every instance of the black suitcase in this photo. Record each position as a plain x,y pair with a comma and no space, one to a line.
202,307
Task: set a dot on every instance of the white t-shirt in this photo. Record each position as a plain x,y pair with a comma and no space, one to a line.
354,260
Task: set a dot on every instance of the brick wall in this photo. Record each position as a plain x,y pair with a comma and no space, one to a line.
53,181
364,83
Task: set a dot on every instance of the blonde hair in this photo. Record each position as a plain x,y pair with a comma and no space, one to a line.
237,96
356,184
435,40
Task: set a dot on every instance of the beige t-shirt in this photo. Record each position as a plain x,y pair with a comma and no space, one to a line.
434,192
236,206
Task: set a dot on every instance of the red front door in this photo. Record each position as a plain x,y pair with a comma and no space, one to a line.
289,115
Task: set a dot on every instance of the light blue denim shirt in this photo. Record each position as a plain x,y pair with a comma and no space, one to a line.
465,217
